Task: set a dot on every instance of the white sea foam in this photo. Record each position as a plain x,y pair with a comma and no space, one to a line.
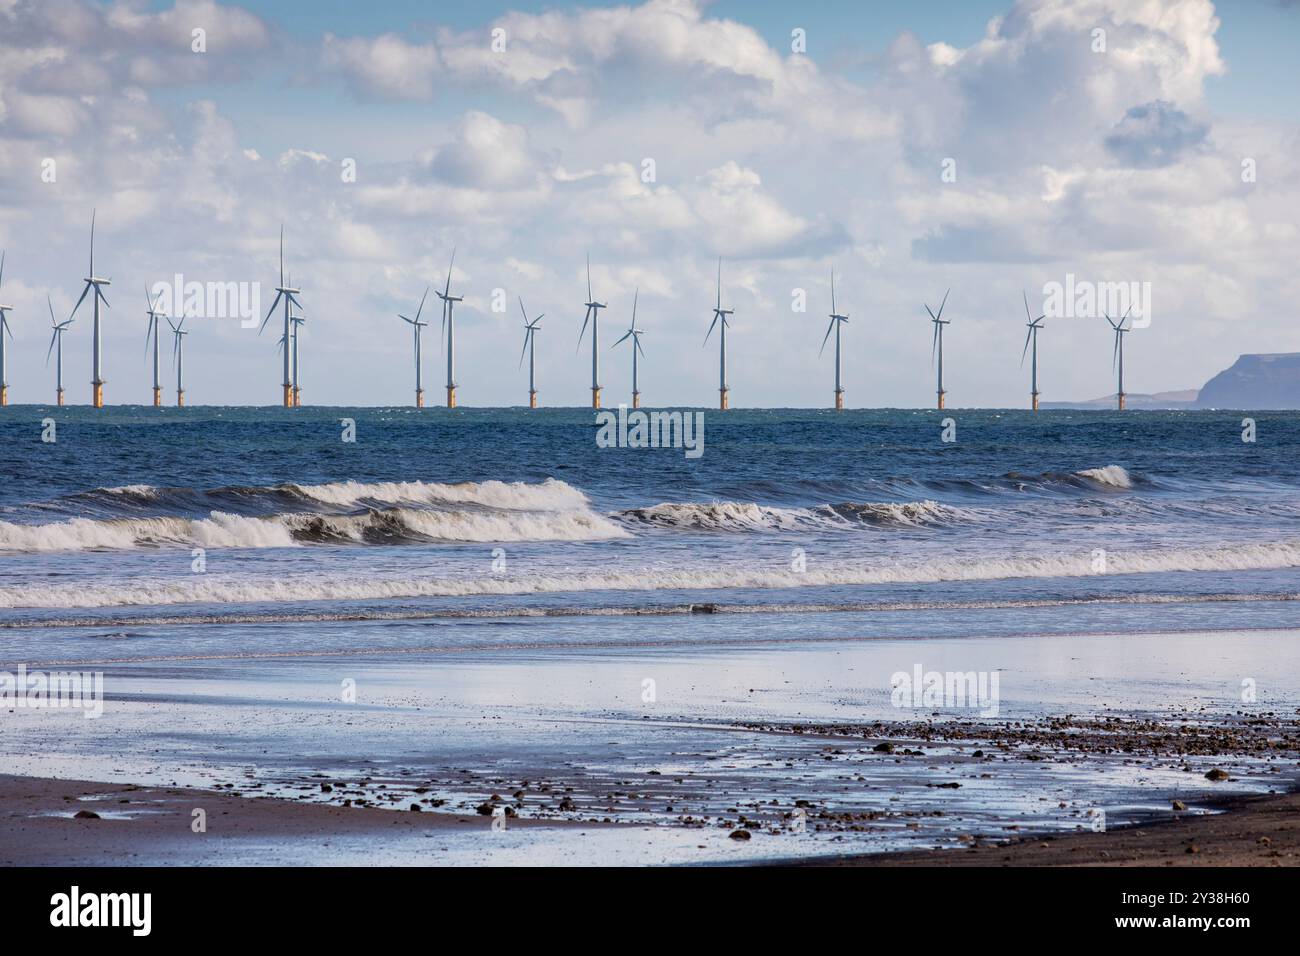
740,516
263,589
1113,475
222,530
548,495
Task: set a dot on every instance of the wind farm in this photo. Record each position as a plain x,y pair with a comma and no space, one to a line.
286,294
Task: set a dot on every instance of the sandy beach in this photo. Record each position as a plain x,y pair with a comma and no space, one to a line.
1126,746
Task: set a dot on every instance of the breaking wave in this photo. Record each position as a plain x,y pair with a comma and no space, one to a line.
207,589
730,516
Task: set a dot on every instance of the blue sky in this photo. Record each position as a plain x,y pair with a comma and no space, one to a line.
1120,166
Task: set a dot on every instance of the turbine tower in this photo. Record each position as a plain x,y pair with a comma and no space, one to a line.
94,282
297,321
416,325
593,316
151,310
56,339
288,295
937,343
720,313
530,347
178,358
4,330
1117,357
1031,338
449,326
635,334
837,320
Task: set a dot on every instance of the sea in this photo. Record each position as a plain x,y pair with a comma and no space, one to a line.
121,528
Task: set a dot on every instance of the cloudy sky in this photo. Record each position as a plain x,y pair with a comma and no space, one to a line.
658,137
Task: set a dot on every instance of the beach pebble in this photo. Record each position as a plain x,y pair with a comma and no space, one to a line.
739,834
85,815
1216,774
1179,805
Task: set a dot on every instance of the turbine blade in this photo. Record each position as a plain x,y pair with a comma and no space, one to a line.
1025,350
421,308
825,337
1114,355
589,277
622,340
50,350
719,282
522,310
447,291
524,351
92,242
282,254
942,304
270,311
711,325
932,315
79,301
832,289
101,297
53,321
934,343
635,294
1026,298
2,269
585,319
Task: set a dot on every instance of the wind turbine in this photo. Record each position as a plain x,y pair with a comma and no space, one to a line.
56,339
635,334
178,358
530,347
1117,357
94,282
4,330
288,294
937,344
837,320
720,313
1031,338
416,325
151,310
449,325
593,316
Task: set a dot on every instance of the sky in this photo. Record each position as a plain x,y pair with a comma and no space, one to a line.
989,148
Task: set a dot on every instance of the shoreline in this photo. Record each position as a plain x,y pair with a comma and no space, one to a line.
1253,830
149,826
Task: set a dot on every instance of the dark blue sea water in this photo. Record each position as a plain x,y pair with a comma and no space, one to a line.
514,526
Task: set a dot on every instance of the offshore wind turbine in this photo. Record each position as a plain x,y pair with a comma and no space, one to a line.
530,347
937,344
837,320
288,294
1117,357
449,326
416,325
593,316
4,330
1031,338
151,310
94,282
635,334
56,339
720,313
178,358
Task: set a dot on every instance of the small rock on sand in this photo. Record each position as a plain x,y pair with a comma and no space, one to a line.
85,815
1216,774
